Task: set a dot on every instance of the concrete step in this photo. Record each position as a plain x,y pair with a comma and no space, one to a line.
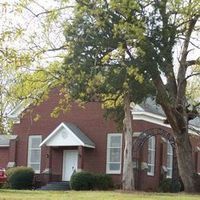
56,186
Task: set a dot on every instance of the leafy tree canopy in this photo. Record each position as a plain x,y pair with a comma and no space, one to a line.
114,45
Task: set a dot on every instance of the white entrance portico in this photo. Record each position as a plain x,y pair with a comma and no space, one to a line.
70,136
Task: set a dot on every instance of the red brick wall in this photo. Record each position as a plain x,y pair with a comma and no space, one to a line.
12,150
4,156
195,139
89,119
149,183
144,181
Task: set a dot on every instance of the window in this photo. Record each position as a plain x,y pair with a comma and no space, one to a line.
114,148
169,160
151,156
34,152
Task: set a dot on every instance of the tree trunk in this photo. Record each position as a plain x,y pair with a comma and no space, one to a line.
178,120
128,175
185,162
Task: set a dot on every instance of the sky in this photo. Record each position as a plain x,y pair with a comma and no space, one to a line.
35,37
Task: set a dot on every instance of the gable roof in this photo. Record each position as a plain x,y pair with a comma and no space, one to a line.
67,134
16,112
5,140
195,122
150,111
150,105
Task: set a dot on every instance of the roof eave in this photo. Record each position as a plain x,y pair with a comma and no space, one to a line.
66,127
157,119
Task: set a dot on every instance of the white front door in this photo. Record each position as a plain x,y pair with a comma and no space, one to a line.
70,162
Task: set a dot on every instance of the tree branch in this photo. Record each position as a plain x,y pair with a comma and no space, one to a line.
183,62
192,62
47,11
2,52
192,43
191,75
191,26
196,105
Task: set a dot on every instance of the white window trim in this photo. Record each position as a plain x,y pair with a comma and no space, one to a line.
29,151
108,171
153,151
171,158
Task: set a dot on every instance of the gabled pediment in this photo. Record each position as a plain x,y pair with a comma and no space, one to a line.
67,134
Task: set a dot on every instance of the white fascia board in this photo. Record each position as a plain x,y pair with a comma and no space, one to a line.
138,113
137,108
89,146
52,134
68,130
149,117
194,127
14,114
193,132
5,145
155,119
15,119
82,144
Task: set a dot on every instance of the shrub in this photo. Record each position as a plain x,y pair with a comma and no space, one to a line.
169,185
88,181
197,180
20,177
103,182
82,181
176,186
165,185
5,185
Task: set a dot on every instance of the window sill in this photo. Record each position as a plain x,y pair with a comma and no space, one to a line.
149,174
113,172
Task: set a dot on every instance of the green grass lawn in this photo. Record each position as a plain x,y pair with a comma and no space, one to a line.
72,195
